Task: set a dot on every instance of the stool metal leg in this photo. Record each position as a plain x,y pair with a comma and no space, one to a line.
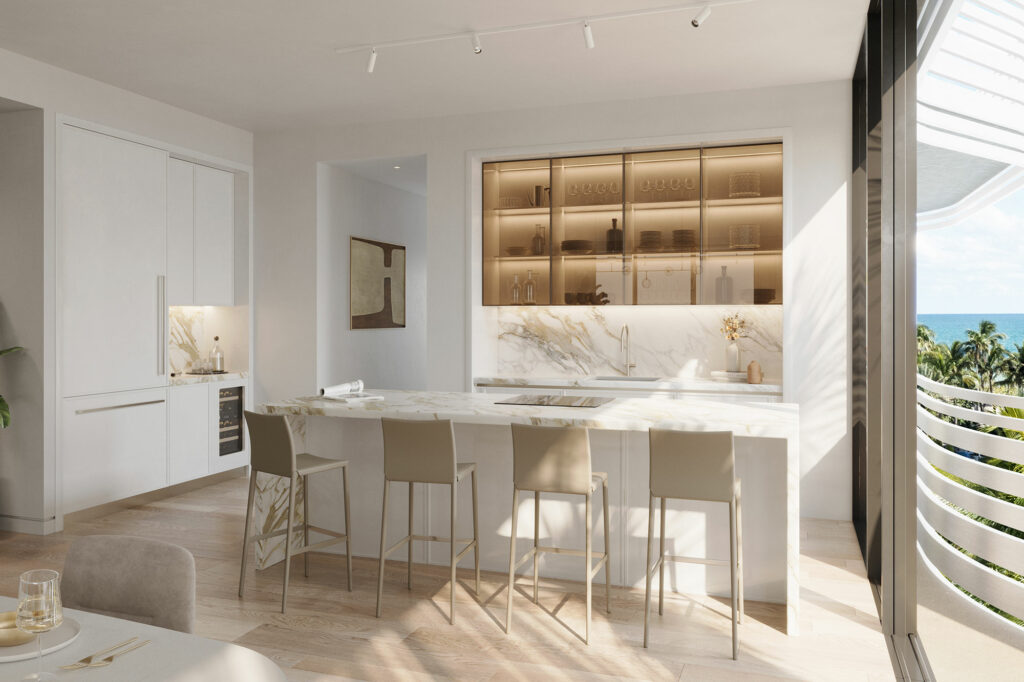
661,565
512,560
647,566
732,575
288,542
383,539
739,550
248,525
589,552
607,554
348,527
305,522
536,542
451,616
410,534
476,535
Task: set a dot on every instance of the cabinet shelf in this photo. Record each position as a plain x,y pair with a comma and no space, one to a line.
669,201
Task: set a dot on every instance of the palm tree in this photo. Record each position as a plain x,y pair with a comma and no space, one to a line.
925,339
949,365
1013,370
985,347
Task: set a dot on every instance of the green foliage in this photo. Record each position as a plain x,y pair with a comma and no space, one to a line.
5,409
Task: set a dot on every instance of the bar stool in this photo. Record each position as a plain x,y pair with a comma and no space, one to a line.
695,465
555,459
272,451
418,451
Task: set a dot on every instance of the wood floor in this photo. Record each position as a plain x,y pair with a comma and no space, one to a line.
331,634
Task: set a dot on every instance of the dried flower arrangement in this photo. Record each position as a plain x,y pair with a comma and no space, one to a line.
735,327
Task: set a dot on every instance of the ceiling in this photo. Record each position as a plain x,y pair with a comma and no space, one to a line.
268,65
404,172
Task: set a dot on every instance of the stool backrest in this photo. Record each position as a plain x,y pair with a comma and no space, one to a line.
551,458
270,444
692,465
419,450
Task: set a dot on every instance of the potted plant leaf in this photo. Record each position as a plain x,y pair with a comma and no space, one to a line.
5,410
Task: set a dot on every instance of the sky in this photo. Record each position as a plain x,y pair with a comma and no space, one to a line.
975,266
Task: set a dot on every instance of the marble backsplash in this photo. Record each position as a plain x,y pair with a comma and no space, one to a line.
668,341
191,333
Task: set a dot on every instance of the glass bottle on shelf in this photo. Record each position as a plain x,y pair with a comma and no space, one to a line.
613,238
723,287
216,356
517,289
539,242
529,289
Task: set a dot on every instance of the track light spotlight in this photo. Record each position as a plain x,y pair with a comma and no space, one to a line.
372,61
701,17
588,35
477,47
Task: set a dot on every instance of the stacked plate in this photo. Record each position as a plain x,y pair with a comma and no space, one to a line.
574,247
684,240
650,240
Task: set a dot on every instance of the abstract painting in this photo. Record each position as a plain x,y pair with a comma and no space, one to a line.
377,284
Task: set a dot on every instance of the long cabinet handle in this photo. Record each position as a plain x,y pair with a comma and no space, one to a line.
161,321
119,407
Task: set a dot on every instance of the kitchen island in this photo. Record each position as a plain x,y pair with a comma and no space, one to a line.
767,461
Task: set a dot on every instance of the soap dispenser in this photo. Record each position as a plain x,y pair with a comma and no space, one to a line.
216,356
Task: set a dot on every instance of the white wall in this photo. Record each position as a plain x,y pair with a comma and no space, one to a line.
60,92
352,206
816,119
21,311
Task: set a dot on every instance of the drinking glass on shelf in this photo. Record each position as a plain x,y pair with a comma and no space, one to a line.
39,611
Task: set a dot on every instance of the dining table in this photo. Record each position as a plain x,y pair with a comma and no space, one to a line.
170,656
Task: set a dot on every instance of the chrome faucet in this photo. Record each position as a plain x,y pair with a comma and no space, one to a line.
624,345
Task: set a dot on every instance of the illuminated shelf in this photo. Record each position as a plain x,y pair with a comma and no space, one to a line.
531,210
746,201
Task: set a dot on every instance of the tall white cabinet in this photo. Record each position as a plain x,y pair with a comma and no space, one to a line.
111,208
200,234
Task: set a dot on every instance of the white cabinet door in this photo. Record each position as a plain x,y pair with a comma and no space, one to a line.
180,232
111,221
112,447
188,433
214,237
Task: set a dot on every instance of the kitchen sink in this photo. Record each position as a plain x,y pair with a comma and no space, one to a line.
622,378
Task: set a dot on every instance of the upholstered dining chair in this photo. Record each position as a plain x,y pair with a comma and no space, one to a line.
138,579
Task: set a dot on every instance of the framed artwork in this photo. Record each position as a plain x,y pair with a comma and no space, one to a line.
376,284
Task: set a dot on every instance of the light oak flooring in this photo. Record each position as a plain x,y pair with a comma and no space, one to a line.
331,634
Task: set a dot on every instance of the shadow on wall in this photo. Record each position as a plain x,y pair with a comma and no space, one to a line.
381,200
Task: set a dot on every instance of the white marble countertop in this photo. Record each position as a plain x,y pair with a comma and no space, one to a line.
183,378
662,384
769,420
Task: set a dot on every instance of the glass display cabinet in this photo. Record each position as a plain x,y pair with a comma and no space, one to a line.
667,227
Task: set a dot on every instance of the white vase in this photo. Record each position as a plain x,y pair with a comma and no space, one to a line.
732,357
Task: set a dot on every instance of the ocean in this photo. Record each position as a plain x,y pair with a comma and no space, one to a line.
949,328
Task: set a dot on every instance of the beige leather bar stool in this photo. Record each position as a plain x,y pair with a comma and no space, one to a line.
424,452
272,451
695,465
555,459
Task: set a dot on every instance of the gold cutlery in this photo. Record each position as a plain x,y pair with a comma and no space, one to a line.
110,659
85,662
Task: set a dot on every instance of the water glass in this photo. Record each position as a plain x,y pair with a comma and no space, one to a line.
39,611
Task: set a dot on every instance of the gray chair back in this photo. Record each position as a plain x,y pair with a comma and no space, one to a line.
138,579
551,458
418,450
271,448
692,465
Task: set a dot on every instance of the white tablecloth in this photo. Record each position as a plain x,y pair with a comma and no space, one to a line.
170,656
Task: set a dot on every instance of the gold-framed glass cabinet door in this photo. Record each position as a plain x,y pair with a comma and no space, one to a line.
517,232
742,225
588,265
663,226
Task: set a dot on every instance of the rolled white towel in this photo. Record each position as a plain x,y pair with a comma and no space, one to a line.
342,389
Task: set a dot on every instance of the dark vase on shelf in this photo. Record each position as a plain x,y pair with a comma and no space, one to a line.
613,238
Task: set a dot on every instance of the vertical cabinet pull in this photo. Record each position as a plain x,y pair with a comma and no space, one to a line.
161,324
